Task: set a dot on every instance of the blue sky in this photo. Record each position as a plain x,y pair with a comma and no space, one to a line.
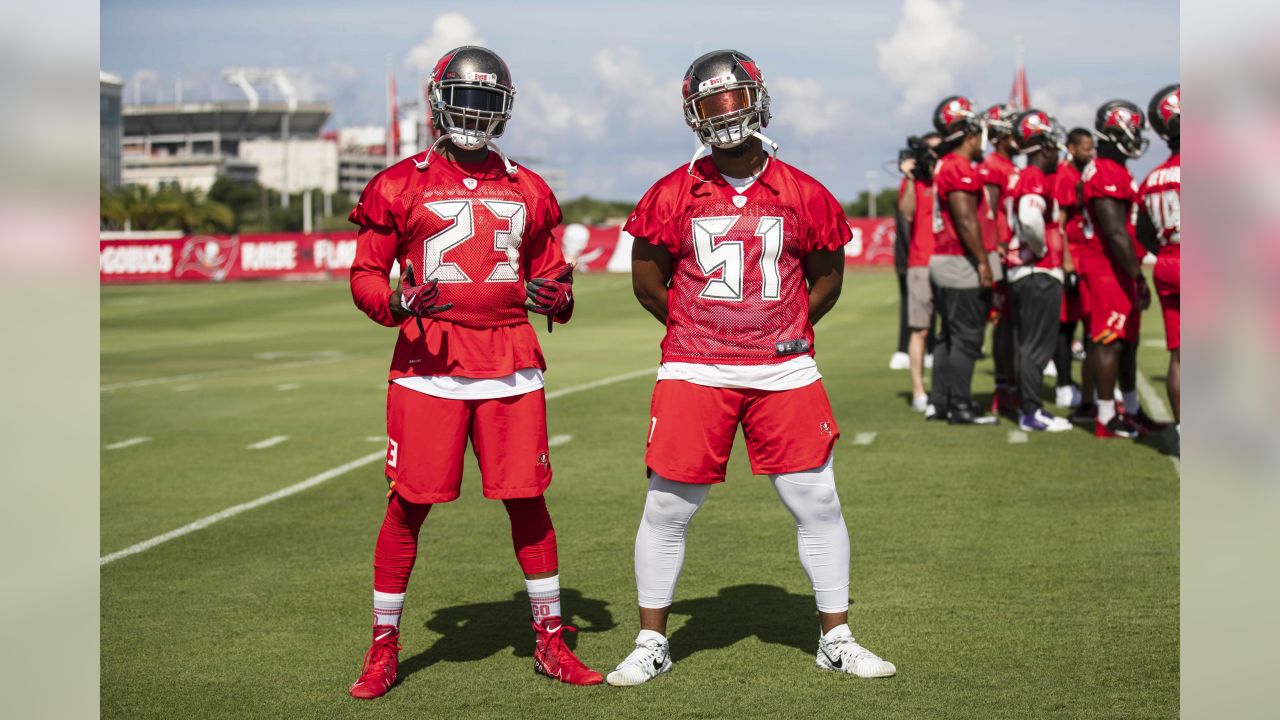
598,82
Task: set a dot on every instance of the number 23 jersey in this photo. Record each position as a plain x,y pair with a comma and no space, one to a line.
477,231
738,286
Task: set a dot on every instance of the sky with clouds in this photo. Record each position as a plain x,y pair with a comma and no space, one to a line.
598,83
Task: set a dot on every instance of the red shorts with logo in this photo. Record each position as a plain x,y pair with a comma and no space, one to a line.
1113,315
427,439
1168,281
691,429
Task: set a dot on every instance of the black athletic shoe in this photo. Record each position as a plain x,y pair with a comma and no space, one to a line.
1117,427
1085,414
933,414
966,415
1145,423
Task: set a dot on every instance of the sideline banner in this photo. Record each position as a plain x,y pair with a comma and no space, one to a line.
209,258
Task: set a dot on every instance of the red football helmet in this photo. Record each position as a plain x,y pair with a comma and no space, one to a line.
1121,123
1036,130
471,95
955,117
725,98
1165,112
999,120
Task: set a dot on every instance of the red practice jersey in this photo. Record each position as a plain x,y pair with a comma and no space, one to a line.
1161,193
1033,181
999,171
738,287
480,233
920,249
955,174
1066,193
1106,178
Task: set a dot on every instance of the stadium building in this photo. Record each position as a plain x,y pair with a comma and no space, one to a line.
110,93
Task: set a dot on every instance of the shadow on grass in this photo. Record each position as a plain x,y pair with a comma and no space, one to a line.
481,630
764,611
1165,442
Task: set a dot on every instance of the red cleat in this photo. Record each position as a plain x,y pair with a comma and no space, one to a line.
380,664
551,657
1116,427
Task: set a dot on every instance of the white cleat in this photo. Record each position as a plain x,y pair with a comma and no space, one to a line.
928,361
1051,370
840,652
651,658
920,403
900,361
1067,396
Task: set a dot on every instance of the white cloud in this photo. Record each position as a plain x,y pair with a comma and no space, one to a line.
1068,101
627,82
805,105
552,113
927,52
448,31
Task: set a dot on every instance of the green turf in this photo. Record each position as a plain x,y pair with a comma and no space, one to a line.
1005,580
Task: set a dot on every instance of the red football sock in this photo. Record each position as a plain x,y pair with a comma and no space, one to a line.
532,534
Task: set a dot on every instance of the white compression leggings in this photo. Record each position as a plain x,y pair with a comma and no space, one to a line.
809,495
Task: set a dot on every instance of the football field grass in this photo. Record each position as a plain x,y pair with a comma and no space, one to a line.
1007,576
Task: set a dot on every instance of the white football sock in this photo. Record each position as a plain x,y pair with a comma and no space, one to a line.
544,597
811,497
659,555
387,608
1131,404
1106,411
837,631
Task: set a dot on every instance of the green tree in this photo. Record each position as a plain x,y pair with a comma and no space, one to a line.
886,204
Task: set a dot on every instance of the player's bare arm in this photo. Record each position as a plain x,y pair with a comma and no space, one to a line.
1111,220
824,273
651,276
964,209
1147,233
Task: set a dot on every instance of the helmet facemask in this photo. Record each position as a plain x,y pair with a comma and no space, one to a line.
728,114
471,112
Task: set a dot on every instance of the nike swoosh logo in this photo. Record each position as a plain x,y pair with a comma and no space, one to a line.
835,662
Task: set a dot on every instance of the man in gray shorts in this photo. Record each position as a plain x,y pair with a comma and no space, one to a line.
916,202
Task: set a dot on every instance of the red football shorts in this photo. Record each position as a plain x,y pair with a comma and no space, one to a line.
691,429
427,438
1168,282
1113,314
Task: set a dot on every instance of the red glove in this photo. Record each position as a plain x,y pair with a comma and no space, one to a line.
416,300
550,297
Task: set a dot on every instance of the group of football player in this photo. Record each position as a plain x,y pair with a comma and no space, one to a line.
736,253
1035,249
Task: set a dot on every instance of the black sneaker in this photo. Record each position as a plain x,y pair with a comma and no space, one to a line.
1085,414
1117,427
933,414
965,415
1145,423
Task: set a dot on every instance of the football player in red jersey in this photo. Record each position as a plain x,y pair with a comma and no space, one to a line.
1075,301
738,254
472,231
1000,176
1034,266
1160,229
1118,291
960,268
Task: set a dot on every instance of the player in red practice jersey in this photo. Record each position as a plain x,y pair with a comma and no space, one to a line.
1034,266
960,268
1000,176
738,254
1075,301
472,232
1160,229
1118,291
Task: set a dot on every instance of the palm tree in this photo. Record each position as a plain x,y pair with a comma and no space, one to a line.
192,212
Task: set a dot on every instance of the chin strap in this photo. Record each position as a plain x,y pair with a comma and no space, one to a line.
697,153
425,162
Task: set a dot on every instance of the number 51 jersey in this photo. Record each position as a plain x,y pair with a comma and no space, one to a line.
738,294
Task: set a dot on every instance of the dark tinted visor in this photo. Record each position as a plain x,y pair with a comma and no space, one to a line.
474,98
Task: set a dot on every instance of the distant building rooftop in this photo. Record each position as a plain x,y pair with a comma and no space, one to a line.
229,118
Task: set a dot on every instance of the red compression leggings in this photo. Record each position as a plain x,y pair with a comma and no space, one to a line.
532,535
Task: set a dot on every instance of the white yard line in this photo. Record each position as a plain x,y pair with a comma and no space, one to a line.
325,476
146,382
864,438
186,388
269,442
234,510
1152,400
128,443
285,387
1016,437
558,440
376,438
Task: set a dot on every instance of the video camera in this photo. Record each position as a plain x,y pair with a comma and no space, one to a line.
919,151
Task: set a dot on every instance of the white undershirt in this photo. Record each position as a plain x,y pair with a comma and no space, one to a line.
740,185
789,375
464,388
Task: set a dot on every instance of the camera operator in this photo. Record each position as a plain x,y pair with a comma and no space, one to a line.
915,201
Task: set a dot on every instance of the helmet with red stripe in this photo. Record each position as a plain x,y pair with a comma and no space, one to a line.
1165,112
725,98
1036,130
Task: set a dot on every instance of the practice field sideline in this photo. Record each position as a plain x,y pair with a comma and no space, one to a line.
1006,578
